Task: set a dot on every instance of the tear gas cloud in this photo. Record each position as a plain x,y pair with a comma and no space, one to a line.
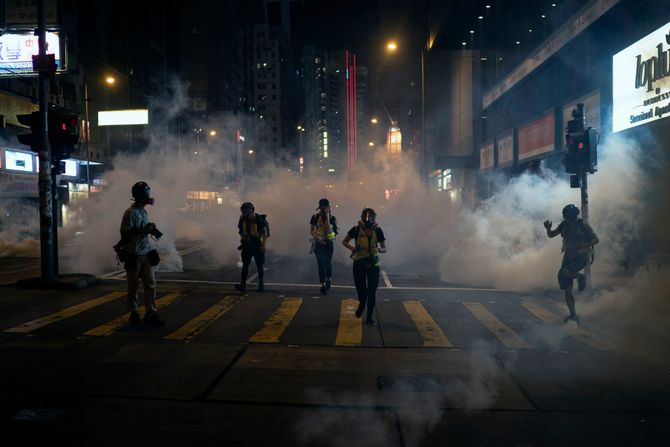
499,243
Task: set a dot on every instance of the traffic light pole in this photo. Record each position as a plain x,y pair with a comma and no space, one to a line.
585,218
47,247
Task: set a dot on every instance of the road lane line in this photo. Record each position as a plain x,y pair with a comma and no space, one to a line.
117,323
385,276
205,319
576,332
350,329
504,333
430,331
277,323
65,313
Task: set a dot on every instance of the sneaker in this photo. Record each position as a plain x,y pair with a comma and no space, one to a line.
581,282
370,322
153,320
359,311
241,287
260,288
323,289
134,319
328,284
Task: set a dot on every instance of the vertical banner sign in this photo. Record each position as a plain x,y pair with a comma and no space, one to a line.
537,137
505,147
641,81
486,160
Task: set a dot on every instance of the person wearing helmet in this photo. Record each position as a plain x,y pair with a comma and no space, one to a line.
253,230
578,241
135,230
323,228
369,242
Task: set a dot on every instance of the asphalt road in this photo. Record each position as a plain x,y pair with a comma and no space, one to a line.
446,364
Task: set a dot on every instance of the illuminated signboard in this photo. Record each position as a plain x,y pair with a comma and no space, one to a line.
123,117
537,137
19,161
641,81
505,147
486,160
70,168
17,51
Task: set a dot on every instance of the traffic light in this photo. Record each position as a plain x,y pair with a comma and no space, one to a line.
31,120
582,152
63,133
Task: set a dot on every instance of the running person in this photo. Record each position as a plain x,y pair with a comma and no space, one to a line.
323,228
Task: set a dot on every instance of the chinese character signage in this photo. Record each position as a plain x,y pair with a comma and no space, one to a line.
17,50
537,137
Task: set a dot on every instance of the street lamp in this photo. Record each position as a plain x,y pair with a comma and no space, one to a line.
374,120
392,46
110,80
212,133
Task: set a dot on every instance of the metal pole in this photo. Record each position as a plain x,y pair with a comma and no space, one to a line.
87,129
423,118
585,218
45,180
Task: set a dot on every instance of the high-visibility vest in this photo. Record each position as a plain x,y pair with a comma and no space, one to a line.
367,246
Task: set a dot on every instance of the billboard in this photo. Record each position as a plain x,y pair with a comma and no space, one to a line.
123,117
641,81
486,160
537,137
505,147
17,51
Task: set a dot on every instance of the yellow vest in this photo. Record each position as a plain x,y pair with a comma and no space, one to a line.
367,247
320,228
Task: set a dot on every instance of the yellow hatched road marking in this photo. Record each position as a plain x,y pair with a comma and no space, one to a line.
117,323
65,313
506,335
350,330
579,333
430,332
277,323
204,320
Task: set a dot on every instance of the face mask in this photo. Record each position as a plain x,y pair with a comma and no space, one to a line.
246,212
150,201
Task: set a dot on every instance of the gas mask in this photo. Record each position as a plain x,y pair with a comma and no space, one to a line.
369,219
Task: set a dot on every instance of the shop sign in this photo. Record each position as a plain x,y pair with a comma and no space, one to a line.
486,160
641,81
537,137
505,146
18,185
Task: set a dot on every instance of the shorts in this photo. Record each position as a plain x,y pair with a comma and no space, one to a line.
574,265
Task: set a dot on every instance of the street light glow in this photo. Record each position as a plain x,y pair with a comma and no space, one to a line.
251,151
212,133
110,80
392,46
374,121
371,144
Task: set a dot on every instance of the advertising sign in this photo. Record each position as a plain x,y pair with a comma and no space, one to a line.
486,160
537,137
17,51
641,81
505,146
123,117
23,13
18,185
19,161
591,109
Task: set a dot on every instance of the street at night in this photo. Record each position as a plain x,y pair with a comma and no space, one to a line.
335,223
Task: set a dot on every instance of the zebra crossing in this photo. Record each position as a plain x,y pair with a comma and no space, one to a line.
350,330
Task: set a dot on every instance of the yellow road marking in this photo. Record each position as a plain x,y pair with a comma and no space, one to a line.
117,323
430,332
579,333
350,330
506,335
277,323
65,313
204,320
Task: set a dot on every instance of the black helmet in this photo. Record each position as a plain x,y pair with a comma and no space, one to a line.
570,212
141,190
324,202
247,208
368,216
